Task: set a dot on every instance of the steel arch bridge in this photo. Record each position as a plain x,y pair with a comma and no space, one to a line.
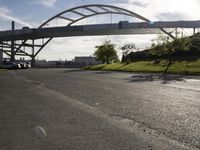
13,49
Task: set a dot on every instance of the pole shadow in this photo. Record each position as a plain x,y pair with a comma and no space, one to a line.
164,78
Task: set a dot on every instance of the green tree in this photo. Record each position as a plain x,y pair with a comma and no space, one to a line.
106,52
164,46
159,46
195,42
126,49
182,44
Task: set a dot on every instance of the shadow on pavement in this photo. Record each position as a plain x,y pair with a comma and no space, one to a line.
103,72
163,78
72,70
82,70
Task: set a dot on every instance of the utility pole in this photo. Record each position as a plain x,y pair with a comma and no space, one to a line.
12,43
194,31
176,32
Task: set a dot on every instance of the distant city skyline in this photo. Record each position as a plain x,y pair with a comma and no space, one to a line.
33,13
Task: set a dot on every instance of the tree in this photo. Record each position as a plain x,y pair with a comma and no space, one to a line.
164,46
126,49
159,45
182,44
195,42
106,52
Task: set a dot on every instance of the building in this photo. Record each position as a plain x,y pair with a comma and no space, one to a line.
1,57
49,64
86,60
41,63
78,62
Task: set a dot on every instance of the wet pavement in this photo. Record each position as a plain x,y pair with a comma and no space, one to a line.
75,109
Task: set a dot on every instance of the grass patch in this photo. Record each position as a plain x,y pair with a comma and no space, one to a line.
3,70
177,67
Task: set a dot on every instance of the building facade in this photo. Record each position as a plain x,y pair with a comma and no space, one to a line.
87,60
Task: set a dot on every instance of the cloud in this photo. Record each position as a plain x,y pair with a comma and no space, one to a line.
4,9
12,18
69,47
151,9
5,14
45,3
140,4
171,16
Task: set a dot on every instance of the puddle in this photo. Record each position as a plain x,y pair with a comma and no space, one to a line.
40,132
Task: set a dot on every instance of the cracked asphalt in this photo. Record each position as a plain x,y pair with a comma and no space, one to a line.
76,109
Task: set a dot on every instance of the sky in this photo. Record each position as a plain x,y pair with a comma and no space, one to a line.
32,13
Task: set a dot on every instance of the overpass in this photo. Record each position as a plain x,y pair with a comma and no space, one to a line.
121,28
15,42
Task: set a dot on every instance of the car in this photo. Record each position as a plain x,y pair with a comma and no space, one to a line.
10,65
23,65
28,65
25,28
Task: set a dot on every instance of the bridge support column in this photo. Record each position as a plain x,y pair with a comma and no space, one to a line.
12,44
33,62
33,54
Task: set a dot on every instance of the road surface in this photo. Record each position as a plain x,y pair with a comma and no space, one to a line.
72,109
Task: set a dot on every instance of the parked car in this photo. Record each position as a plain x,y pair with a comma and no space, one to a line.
23,65
28,65
25,28
10,65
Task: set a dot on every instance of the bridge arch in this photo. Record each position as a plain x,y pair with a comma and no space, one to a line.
105,9
92,9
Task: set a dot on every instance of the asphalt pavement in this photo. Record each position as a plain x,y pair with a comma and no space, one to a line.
74,109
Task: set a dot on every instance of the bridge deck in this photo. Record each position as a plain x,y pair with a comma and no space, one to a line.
120,28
